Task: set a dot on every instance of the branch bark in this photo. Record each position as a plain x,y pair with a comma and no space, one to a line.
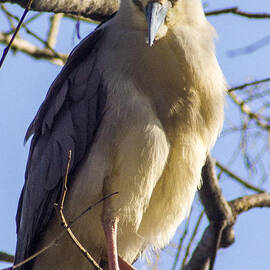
32,50
99,10
64,223
5,257
222,215
237,11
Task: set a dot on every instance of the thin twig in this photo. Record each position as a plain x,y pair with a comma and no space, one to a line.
29,20
54,29
5,257
31,33
9,18
250,48
192,238
237,11
65,224
238,179
181,241
34,51
246,110
5,52
242,86
56,240
51,244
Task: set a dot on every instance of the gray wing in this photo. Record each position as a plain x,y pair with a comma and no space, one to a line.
67,120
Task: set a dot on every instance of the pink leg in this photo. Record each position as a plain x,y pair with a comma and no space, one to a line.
115,262
110,230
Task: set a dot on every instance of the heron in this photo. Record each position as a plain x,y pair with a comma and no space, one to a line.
139,103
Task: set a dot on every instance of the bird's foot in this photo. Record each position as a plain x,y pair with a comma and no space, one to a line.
123,265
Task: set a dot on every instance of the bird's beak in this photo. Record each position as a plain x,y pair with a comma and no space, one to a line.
155,13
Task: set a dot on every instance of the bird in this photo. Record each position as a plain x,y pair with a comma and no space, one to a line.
139,105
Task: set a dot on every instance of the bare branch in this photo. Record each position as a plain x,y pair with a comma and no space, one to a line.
221,219
5,257
27,8
99,10
216,206
219,211
250,48
64,223
246,203
237,11
181,241
54,28
246,110
238,179
192,238
32,50
242,86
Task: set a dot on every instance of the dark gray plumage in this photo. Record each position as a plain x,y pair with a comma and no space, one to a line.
67,120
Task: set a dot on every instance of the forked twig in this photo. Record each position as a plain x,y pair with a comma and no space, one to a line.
5,52
64,223
181,241
66,226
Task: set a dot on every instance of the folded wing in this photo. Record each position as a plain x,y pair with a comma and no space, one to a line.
67,120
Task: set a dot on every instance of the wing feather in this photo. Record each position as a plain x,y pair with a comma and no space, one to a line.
67,120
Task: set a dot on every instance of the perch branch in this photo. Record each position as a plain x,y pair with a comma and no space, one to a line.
222,216
246,203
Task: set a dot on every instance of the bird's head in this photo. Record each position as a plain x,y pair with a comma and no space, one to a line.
159,15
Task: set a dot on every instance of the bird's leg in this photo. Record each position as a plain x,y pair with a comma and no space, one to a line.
110,230
110,222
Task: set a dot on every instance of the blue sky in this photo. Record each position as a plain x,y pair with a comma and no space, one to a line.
24,83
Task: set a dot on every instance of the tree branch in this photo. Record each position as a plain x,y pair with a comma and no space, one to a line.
5,257
246,203
222,216
54,28
238,179
64,223
237,11
99,10
246,110
242,86
27,8
33,51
